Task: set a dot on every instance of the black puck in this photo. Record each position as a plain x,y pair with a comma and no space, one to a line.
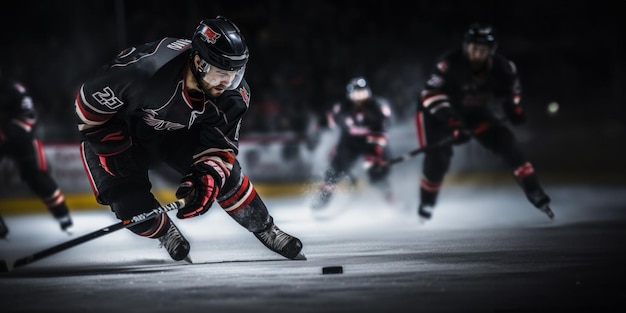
332,270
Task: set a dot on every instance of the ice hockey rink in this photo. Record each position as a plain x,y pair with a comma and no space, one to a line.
485,250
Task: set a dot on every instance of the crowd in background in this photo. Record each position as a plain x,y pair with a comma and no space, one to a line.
303,52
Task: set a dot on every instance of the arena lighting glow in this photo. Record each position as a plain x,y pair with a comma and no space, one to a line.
553,108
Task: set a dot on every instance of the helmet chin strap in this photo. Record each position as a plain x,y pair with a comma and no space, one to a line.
196,74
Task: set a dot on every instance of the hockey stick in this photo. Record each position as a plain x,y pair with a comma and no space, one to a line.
412,153
8,265
443,142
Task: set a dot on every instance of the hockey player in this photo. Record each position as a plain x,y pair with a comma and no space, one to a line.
363,121
457,99
18,120
176,102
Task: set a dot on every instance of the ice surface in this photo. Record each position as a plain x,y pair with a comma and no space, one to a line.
485,249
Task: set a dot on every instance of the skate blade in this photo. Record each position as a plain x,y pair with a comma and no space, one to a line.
547,211
300,257
423,220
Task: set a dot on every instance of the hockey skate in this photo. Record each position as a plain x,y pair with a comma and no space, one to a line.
62,215
4,230
425,212
65,222
323,198
541,201
176,245
281,242
546,209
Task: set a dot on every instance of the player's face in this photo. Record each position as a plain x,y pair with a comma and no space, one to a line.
215,80
478,53
359,95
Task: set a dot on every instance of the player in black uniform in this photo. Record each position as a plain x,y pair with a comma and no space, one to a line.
457,99
18,119
363,121
177,102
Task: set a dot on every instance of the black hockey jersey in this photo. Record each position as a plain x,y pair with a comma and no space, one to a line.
144,88
454,88
16,105
366,123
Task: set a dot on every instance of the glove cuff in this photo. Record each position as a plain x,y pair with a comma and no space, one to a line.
212,168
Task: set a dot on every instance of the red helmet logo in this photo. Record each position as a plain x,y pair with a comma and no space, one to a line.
210,35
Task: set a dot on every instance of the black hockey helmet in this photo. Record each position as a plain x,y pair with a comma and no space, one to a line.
481,34
358,89
219,43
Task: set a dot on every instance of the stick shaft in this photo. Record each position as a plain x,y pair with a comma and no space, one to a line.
95,234
415,152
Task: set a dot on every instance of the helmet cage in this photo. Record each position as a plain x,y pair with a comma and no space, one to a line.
207,71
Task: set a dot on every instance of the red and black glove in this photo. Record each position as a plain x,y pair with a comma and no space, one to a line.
459,131
200,188
112,144
377,168
515,113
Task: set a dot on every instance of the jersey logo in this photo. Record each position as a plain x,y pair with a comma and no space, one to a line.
107,98
158,124
237,130
126,52
194,115
179,44
435,81
245,95
27,103
209,35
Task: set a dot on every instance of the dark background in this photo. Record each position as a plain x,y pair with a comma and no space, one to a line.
303,52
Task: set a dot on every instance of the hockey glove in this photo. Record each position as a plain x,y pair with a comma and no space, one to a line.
199,188
112,144
378,172
460,134
516,115
377,169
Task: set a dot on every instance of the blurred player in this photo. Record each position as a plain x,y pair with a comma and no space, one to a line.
363,122
18,119
457,100
177,102
4,230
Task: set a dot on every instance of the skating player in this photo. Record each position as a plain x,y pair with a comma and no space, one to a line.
457,99
363,121
177,102
18,121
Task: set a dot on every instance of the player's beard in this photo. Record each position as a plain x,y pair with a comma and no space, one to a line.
478,65
214,91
